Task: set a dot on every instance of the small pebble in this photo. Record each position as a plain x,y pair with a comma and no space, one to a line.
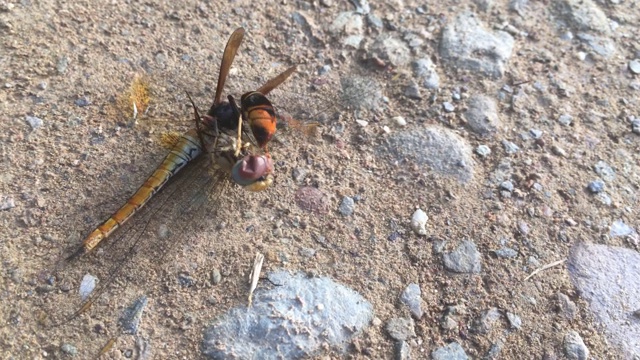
307,252
87,285
619,228
634,66
82,102
34,122
507,185
62,65
324,69
401,329
483,150
419,222
537,134
400,121
514,320
558,151
299,174
506,253
186,280
510,147
596,186
448,107
574,347
413,91
216,277
7,203
565,120
605,171
411,296
346,206
69,349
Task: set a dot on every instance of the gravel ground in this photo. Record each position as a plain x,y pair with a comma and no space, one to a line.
513,126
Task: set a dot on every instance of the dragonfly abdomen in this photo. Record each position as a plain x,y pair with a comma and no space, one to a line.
186,149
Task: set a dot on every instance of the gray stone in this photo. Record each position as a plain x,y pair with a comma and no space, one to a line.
509,147
346,206
604,171
482,115
467,45
34,122
425,70
484,323
403,350
411,298
435,148
387,47
483,150
583,15
634,66
574,347
412,91
506,253
596,186
347,23
69,349
301,318
494,351
600,45
514,320
567,308
401,329
565,119
507,185
452,351
448,107
609,279
6,203
464,259
619,228
132,316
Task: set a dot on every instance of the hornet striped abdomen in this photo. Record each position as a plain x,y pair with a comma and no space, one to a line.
258,111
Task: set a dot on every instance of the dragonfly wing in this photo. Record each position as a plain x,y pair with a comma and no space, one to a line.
148,240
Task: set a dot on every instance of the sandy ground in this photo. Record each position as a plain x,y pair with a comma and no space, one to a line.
67,63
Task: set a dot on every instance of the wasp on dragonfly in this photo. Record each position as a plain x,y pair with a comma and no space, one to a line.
251,171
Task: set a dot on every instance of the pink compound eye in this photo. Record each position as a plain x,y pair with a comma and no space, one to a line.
251,168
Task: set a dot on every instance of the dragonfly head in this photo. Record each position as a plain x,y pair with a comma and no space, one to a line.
253,172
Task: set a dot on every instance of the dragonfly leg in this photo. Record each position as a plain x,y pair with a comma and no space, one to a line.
197,120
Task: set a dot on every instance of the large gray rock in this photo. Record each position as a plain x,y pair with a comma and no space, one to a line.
466,44
297,319
609,279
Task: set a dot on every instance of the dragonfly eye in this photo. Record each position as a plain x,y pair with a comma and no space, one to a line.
252,169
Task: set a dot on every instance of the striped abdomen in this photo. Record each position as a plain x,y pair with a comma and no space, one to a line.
258,111
186,149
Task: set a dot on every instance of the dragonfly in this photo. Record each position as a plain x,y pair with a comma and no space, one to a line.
218,137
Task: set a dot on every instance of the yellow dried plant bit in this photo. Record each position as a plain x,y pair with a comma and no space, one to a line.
255,275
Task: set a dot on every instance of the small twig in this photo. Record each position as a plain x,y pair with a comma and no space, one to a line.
135,111
545,267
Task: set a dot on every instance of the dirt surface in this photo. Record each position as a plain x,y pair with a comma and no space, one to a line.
67,64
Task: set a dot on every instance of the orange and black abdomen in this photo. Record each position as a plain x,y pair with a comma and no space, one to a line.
258,111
